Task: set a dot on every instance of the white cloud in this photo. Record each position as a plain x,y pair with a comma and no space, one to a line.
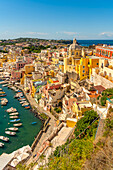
67,33
106,34
70,33
37,33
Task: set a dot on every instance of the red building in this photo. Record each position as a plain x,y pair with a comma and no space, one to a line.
104,51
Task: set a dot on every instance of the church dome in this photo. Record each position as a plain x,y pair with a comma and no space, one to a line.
74,46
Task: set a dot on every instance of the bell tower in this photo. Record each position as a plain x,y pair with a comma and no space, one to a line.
74,41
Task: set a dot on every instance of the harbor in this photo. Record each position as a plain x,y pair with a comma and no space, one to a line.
24,118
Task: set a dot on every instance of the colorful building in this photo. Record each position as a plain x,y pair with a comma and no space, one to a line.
104,51
29,68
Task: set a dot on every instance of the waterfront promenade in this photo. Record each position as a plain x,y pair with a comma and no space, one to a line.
45,135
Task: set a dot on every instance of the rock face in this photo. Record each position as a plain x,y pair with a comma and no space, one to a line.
102,158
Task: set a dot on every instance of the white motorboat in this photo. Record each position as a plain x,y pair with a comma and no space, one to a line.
25,104
1,144
14,114
13,117
6,139
10,133
17,124
13,128
11,110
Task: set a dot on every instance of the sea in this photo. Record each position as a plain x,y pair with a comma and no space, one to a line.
26,133
91,42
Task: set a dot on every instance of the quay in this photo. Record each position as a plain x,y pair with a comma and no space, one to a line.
45,132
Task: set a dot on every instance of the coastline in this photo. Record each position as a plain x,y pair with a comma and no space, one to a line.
47,127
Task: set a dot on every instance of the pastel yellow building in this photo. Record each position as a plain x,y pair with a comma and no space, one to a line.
61,67
80,107
83,66
71,122
29,68
55,61
51,73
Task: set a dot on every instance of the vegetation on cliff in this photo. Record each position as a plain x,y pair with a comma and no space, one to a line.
73,155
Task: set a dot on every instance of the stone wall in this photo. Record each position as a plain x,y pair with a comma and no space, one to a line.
99,80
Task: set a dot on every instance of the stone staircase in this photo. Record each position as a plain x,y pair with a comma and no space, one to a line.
100,130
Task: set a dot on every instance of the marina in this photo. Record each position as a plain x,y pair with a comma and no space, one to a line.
20,132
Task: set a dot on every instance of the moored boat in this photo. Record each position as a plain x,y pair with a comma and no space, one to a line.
4,85
14,114
24,101
21,99
28,107
13,117
1,144
11,110
25,104
6,139
2,95
17,124
10,133
15,120
2,92
33,123
13,128
4,101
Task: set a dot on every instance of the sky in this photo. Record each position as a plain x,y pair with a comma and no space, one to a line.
56,19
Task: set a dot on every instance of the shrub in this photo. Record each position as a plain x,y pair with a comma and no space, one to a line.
103,100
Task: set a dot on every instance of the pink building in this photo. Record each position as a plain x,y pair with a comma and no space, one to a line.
15,75
20,65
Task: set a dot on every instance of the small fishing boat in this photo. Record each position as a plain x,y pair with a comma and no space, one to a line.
10,133
6,139
17,124
21,99
4,85
1,144
33,123
28,107
25,104
14,114
24,101
13,117
2,92
4,101
13,128
2,95
11,110
0,89
15,120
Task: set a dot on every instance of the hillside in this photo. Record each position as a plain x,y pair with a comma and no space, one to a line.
102,157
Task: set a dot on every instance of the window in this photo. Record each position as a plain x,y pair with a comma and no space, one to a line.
97,64
83,71
112,55
88,62
83,66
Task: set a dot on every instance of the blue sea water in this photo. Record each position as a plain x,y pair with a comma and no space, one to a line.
26,133
91,42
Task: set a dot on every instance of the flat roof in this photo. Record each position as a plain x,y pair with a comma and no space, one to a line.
5,159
